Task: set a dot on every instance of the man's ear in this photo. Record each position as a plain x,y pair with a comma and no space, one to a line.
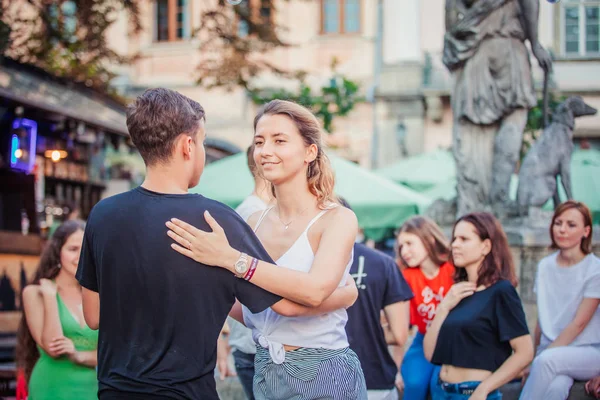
183,145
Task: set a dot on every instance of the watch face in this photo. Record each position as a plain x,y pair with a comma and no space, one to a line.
241,266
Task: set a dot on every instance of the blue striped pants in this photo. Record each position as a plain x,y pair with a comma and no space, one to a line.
309,374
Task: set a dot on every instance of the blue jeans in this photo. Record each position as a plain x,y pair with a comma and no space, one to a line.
459,391
418,373
244,366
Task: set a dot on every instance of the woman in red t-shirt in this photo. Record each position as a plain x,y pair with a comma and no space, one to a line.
424,250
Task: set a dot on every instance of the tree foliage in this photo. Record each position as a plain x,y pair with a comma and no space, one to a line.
68,39
235,43
64,37
335,99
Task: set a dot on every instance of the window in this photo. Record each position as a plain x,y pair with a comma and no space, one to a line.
171,20
581,28
64,17
340,16
257,9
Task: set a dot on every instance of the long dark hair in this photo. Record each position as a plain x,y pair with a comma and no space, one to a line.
498,263
27,353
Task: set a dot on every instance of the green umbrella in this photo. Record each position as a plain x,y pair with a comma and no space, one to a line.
585,181
380,205
423,171
447,190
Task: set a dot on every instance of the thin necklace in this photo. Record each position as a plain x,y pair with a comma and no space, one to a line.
286,226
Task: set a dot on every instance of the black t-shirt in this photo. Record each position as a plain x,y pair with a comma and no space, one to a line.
161,312
380,284
477,332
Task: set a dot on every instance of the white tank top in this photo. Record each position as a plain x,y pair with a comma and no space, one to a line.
271,330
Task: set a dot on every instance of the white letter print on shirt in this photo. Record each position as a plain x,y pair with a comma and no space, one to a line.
427,309
360,273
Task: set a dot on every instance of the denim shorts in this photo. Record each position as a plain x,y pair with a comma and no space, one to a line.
459,391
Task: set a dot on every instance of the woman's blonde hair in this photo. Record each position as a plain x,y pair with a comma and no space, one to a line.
319,174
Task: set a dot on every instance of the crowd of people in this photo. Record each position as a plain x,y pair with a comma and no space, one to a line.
147,298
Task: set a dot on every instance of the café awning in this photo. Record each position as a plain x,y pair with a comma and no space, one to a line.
423,171
33,87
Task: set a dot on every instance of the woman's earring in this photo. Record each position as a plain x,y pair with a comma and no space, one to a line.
59,266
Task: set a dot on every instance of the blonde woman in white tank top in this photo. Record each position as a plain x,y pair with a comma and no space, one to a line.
300,354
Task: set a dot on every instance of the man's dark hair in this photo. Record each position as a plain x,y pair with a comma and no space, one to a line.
157,118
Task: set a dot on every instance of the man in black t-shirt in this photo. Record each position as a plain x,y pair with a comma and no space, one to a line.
159,312
381,286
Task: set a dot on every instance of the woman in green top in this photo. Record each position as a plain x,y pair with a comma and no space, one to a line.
56,349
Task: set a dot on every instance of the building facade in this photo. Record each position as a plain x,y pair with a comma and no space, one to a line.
411,112
416,87
319,31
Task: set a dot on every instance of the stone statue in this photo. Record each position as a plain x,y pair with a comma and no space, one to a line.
484,48
550,156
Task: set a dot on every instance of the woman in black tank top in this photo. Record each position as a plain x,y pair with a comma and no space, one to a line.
479,334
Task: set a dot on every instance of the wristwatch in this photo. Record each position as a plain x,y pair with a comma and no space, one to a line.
241,265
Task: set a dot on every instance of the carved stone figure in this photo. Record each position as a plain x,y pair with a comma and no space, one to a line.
484,48
550,156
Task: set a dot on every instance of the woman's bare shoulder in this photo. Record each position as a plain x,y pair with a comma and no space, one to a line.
342,214
31,292
340,217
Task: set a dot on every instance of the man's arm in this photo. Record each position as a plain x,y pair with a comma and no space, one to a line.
397,315
342,297
91,308
88,279
397,303
237,313
223,350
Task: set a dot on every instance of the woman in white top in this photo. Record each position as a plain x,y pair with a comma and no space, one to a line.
567,335
308,234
